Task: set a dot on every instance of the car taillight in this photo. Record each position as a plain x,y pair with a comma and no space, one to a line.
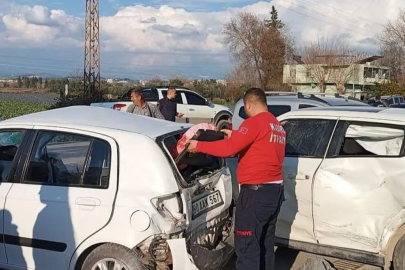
169,207
118,107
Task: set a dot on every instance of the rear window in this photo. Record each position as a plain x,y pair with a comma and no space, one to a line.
149,95
178,98
304,106
206,166
276,110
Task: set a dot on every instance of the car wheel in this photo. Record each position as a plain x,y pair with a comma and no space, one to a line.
398,261
112,256
223,124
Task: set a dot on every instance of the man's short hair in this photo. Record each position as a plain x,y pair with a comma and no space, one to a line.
137,91
171,88
378,97
255,95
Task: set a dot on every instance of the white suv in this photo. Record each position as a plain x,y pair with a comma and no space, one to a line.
87,188
279,103
344,184
195,108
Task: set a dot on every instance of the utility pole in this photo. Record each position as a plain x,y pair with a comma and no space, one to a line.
92,77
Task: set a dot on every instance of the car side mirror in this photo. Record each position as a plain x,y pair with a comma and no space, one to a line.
207,102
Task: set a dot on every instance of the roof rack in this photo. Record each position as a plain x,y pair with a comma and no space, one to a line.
311,95
298,94
271,93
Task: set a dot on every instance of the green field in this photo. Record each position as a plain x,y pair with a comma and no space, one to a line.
14,108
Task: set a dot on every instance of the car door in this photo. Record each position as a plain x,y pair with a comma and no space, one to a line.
199,111
307,141
181,105
359,187
12,143
63,193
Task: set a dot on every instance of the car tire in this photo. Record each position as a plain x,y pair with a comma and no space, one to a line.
398,260
114,253
223,124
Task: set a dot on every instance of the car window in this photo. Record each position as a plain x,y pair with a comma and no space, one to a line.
69,160
276,110
193,99
365,140
391,101
401,99
149,95
396,100
10,141
178,99
307,137
304,106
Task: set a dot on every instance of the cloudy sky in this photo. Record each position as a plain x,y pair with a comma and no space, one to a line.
141,39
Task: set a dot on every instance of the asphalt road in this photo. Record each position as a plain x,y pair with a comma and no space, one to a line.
288,259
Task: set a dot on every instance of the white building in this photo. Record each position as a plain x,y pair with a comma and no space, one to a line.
363,75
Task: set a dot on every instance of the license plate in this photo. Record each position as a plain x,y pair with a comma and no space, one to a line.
206,204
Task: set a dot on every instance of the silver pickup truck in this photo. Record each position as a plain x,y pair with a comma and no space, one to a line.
195,108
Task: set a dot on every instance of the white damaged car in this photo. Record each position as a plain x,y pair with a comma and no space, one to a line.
344,183
87,188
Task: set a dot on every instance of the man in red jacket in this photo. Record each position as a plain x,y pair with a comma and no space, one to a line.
260,143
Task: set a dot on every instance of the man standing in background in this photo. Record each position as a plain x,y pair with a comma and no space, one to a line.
141,107
260,143
168,105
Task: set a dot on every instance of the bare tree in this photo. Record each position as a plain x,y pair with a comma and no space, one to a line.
331,61
258,45
238,81
392,45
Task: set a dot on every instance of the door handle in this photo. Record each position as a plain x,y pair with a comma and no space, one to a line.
88,202
191,110
298,177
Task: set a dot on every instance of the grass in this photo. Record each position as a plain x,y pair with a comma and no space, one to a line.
14,108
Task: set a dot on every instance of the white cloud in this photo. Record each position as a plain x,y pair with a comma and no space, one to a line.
157,35
354,21
26,26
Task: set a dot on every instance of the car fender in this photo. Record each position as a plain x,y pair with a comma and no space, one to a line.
391,234
126,236
221,114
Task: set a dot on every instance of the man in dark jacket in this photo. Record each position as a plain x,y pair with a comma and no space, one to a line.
168,106
377,102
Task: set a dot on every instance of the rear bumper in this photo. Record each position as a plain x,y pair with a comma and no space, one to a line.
181,259
197,257
206,259
200,258
214,259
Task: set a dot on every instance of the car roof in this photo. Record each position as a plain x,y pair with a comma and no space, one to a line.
90,117
327,100
343,102
366,112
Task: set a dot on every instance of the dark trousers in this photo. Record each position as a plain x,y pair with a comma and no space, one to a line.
255,226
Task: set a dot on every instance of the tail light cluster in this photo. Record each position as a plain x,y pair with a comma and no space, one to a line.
170,207
118,107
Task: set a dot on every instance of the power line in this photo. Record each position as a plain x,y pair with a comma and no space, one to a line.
329,17
304,14
342,12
